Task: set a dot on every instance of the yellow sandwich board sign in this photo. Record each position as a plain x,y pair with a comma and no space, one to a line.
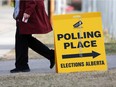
79,42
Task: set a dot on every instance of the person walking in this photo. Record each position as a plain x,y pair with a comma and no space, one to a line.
31,18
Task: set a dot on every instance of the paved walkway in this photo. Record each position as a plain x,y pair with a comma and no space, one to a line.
36,65
42,65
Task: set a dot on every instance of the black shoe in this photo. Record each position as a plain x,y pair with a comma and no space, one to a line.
19,70
52,61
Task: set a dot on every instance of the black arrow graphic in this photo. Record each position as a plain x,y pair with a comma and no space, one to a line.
92,54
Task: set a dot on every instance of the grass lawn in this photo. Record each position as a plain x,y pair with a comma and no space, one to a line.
110,48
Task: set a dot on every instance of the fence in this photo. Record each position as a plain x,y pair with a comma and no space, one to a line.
108,10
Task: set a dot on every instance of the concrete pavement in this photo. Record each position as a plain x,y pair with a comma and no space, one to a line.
42,65
36,65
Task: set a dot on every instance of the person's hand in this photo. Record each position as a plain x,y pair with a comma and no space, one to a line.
26,16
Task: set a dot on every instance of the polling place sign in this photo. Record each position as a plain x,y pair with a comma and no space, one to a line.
79,42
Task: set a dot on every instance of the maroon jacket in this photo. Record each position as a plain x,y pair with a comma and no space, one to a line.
38,23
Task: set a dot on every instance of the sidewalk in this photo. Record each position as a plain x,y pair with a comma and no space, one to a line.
36,66
42,65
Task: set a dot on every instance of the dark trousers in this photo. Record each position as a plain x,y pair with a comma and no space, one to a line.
23,42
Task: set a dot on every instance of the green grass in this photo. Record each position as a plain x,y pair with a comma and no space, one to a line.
110,48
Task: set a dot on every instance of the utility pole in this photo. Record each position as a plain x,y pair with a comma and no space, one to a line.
50,9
